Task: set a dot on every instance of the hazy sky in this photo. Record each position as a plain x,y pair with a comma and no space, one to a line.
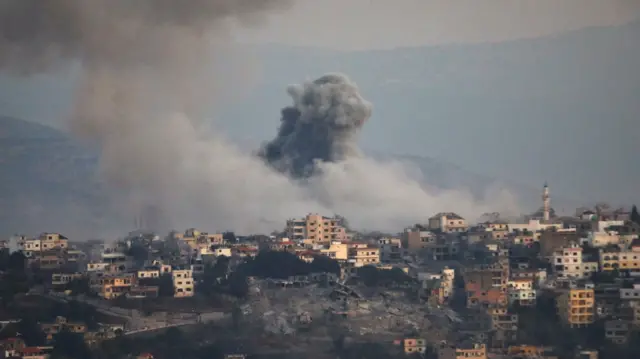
384,24
366,24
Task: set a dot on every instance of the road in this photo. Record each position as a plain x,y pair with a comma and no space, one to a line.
136,322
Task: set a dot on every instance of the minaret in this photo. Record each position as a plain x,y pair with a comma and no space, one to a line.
546,203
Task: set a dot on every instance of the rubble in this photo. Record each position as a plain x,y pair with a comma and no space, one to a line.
286,310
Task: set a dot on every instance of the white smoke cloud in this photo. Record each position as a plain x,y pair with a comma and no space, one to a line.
141,96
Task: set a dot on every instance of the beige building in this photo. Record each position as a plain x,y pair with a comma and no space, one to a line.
316,228
448,222
568,263
362,254
182,283
464,350
45,242
337,250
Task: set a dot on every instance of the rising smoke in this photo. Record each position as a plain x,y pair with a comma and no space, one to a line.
320,126
145,82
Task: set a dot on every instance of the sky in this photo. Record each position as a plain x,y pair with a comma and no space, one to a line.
350,26
386,24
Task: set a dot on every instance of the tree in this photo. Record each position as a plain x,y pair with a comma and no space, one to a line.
70,345
165,286
635,216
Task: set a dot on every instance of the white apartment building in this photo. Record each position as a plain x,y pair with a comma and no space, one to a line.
182,283
568,263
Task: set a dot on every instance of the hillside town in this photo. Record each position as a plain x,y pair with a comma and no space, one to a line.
543,287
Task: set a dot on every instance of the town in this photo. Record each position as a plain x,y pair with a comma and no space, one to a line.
543,287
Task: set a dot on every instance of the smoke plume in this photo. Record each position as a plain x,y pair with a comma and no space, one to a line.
319,127
146,78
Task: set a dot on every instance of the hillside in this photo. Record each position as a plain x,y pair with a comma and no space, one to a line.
48,182
561,109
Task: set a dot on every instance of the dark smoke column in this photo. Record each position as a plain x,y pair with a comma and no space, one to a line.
321,125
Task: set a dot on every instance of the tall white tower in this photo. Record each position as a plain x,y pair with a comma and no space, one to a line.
546,203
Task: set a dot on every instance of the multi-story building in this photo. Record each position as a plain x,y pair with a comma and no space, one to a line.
182,283
612,258
110,286
414,346
504,327
391,250
521,292
617,330
553,239
448,222
607,300
45,242
362,254
576,306
336,250
62,279
603,239
61,324
568,263
417,238
464,350
316,229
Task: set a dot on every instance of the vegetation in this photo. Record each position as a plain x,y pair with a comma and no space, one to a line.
278,265
372,276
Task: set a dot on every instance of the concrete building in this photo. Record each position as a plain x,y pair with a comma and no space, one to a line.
568,263
576,306
363,254
521,292
552,240
182,283
464,350
316,228
617,331
336,250
391,250
448,222
612,258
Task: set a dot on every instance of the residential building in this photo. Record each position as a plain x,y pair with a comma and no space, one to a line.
448,222
553,240
148,273
414,346
44,242
612,258
568,263
316,228
182,283
362,254
110,286
576,306
62,279
61,324
464,350
337,250
417,238
391,250
617,331
521,292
